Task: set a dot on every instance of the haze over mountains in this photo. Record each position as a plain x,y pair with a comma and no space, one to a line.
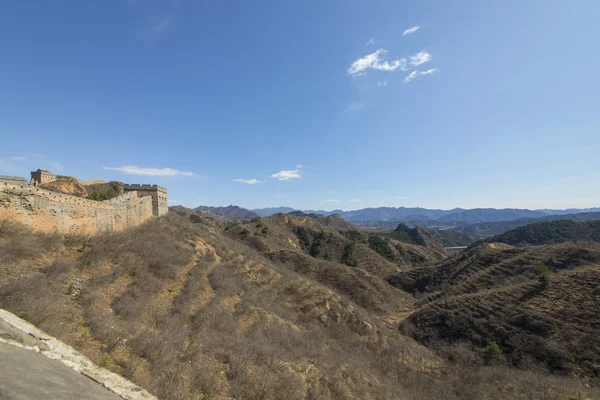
403,214
391,216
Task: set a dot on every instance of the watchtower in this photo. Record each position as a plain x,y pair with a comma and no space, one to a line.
41,176
160,203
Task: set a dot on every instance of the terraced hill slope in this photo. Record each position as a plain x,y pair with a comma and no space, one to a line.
188,308
496,293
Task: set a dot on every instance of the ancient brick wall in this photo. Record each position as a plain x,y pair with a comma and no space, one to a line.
15,180
49,211
160,203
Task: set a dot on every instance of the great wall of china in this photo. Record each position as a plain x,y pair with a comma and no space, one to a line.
49,211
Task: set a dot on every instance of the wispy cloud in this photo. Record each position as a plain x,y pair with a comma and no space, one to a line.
371,41
282,196
248,181
420,58
161,25
410,30
154,28
172,201
286,175
416,74
331,201
353,107
135,170
22,164
356,200
375,61
382,84
300,166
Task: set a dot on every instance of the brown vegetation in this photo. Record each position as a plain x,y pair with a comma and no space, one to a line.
191,310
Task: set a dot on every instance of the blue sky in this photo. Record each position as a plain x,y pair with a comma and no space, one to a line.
312,104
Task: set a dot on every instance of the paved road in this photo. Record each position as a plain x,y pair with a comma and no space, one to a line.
35,365
25,374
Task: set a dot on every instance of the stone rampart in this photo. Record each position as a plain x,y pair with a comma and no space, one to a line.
49,211
160,203
15,180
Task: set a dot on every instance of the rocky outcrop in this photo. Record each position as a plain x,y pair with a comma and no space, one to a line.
66,185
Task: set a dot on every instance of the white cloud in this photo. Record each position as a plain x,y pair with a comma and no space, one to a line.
415,74
354,107
134,170
410,30
173,201
371,41
382,84
356,200
248,181
300,166
375,61
161,25
22,164
282,196
154,28
286,175
420,58
331,201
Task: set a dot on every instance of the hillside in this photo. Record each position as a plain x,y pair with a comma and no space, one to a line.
494,294
333,239
188,308
99,188
452,238
66,185
233,213
499,227
551,232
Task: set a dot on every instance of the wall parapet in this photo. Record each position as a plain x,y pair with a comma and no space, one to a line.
17,180
133,186
50,211
123,198
58,197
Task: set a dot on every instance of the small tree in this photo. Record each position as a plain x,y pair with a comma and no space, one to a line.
492,353
245,233
542,274
195,219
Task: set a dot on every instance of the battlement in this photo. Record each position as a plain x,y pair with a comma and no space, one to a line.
15,180
144,186
51,211
48,210
124,198
160,203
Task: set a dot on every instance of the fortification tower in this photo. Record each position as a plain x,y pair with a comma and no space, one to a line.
160,203
41,176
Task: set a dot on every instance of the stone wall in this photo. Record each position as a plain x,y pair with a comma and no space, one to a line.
15,180
49,211
160,204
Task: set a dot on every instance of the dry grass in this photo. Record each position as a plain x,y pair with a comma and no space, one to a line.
189,313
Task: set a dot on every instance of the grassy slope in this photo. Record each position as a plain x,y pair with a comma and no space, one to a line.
187,311
490,294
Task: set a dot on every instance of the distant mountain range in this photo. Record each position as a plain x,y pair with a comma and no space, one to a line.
234,213
395,215
497,228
